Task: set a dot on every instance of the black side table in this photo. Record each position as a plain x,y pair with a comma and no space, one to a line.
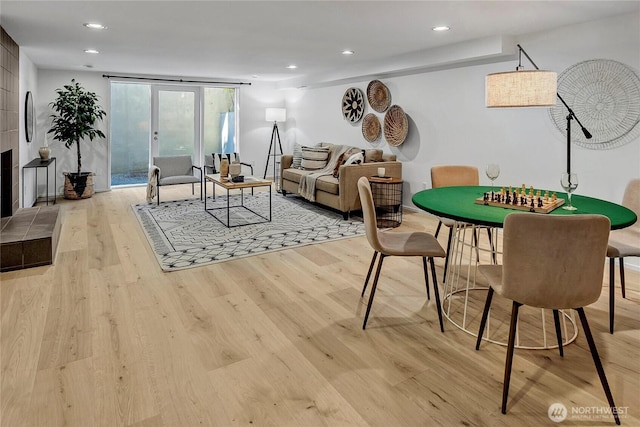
37,164
387,199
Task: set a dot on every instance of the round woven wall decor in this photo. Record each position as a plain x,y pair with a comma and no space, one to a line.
353,104
371,127
378,95
605,96
396,125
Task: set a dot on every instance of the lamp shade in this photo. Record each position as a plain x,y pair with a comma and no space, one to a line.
523,88
275,114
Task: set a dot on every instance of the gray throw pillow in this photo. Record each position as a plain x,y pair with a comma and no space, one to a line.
297,156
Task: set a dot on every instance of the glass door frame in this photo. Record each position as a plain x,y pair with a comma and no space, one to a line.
155,119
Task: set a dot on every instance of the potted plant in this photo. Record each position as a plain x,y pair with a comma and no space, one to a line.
76,112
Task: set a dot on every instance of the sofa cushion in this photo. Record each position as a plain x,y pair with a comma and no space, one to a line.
314,158
372,155
326,183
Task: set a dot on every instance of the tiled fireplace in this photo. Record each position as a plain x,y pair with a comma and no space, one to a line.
28,237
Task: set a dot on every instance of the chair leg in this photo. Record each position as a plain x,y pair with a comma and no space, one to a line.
193,189
493,249
485,315
373,291
598,363
622,277
509,361
436,292
556,321
426,276
438,229
366,281
612,293
158,195
446,258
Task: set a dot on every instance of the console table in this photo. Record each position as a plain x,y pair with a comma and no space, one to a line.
37,164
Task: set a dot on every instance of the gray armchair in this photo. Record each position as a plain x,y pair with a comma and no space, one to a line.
172,170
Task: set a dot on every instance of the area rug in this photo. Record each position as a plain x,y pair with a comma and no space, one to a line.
183,235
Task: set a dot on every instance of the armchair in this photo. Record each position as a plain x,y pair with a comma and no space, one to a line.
172,170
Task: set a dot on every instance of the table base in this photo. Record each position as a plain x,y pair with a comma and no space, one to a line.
241,205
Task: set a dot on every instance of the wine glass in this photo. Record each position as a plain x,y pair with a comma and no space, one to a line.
493,171
569,182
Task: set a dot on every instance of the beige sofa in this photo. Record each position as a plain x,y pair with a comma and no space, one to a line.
340,193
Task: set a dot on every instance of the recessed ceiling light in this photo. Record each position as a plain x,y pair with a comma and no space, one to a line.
95,26
348,52
90,51
292,66
441,28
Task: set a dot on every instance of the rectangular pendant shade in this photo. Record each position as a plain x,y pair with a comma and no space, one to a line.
523,88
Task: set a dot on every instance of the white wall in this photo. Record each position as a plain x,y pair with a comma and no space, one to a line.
94,153
449,123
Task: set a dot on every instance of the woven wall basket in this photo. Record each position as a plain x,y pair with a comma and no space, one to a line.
396,125
371,128
378,95
353,104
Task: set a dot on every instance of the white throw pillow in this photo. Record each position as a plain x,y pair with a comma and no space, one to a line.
355,159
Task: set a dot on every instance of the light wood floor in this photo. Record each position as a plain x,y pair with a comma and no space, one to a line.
105,338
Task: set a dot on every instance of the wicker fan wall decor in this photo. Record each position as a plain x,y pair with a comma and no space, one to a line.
378,95
605,96
396,125
353,104
371,127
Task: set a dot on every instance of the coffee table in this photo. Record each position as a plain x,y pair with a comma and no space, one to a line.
227,184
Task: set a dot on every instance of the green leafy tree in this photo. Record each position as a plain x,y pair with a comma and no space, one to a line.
76,112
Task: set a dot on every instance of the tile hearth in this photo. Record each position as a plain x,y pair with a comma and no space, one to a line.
29,238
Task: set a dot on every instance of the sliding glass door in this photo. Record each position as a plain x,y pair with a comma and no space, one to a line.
150,120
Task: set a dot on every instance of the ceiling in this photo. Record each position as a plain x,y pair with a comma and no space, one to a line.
256,40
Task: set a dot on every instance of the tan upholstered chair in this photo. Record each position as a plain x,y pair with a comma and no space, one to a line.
623,243
571,249
389,243
449,176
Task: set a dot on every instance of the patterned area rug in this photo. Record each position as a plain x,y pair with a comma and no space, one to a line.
183,235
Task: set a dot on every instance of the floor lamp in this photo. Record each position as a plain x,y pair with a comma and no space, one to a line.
529,88
274,115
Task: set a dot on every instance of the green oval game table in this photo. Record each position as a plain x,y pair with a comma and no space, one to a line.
460,306
458,203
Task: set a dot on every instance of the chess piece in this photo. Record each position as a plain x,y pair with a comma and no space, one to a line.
554,197
546,196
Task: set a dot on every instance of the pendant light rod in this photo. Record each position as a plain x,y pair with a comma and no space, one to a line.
570,116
